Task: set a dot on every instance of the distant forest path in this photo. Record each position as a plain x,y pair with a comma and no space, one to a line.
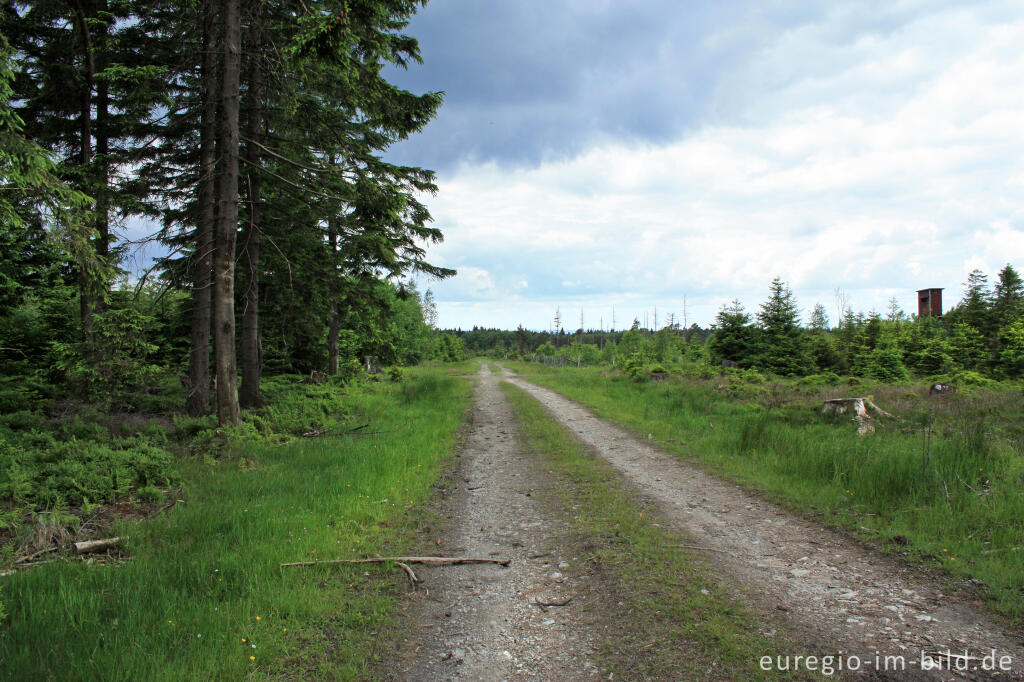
834,593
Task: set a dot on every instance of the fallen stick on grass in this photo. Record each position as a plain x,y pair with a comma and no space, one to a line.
31,557
19,567
437,560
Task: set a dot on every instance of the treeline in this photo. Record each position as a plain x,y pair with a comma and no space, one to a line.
523,342
983,334
254,134
981,338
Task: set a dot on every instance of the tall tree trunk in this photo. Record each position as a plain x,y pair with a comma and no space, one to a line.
252,361
85,153
227,223
332,332
198,399
102,160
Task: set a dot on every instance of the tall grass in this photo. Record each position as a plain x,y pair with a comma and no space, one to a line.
203,596
945,483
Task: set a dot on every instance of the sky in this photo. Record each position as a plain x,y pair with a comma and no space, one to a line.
609,159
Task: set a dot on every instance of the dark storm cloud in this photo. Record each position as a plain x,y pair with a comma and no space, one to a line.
527,81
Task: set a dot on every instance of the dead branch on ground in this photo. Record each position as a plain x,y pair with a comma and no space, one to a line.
434,560
409,572
707,549
545,605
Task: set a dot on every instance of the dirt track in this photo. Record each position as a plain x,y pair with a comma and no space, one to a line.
835,592
479,623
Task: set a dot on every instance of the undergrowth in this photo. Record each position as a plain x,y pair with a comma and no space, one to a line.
199,593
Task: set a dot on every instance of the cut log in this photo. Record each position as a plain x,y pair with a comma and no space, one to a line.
90,546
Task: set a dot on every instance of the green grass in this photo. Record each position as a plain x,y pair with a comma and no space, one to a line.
203,591
954,499
680,623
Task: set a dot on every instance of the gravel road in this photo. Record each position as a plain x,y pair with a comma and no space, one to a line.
480,622
834,592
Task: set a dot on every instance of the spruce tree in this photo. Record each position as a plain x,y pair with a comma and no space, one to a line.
976,305
733,337
1007,313
88,84
819,319
782,347
1008,297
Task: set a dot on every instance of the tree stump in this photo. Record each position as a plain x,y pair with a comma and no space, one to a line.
857,407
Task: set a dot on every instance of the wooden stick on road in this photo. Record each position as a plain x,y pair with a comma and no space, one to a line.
409,572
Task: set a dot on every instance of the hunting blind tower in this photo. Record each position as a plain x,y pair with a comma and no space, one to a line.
929,303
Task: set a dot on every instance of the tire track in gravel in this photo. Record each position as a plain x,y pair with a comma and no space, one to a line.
834,592
478,622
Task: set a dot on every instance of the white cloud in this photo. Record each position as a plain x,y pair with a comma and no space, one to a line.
471,283
886,165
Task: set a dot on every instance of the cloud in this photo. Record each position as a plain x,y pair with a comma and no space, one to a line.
630,156
528,81
894,166
472,283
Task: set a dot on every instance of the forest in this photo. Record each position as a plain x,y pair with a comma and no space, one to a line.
243,144
221,365
252,135
979,341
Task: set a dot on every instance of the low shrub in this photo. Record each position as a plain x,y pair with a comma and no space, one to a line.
752,376
14,399
23,420
820,380
972,379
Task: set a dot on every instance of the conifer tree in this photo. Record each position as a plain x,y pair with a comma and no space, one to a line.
88,86
819,319
733,337
1008,297
782,348
976,305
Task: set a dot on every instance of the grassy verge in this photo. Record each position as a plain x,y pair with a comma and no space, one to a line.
952,495
203,596
680,624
